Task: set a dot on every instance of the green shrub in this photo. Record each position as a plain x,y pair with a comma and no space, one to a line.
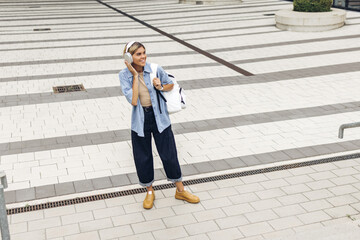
312,5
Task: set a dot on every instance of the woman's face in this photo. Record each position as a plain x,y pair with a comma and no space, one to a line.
139,57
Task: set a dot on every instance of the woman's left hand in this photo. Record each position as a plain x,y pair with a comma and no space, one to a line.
157,83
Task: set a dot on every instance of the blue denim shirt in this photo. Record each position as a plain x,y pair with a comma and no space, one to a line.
137,115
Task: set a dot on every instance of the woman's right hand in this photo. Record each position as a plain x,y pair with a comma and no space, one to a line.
131,69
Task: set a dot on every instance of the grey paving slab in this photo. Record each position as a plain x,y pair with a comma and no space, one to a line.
45,191
25,194
101,183
120,180
84,186
64,188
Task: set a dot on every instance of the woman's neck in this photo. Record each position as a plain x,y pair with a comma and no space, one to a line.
139,69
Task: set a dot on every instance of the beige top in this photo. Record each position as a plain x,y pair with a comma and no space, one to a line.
144,94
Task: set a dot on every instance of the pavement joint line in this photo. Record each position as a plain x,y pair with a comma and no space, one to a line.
189,182
178,128
117,57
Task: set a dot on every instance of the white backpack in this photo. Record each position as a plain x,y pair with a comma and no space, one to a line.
175,98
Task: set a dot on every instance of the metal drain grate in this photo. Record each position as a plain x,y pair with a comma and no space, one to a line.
269,14
171,185
70,88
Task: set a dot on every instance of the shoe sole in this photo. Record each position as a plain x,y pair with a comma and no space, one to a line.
182,198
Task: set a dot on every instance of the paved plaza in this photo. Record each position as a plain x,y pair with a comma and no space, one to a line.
258,97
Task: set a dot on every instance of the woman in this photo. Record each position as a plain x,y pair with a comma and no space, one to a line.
148,119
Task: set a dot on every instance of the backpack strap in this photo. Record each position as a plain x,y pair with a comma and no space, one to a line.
153,75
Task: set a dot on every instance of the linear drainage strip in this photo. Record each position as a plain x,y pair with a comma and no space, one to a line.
171,185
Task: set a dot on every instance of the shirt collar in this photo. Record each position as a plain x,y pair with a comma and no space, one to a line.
147,69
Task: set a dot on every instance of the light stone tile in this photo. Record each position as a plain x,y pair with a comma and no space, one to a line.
243,198
290,210
187,208
308,227
203,187
313,217
265,204
322,175
341,211
84,236
278,174
142,236
318,194
209,215
299,179
286,222
115,232
26,217
216,203
77,218
342,200
274,183
90,206
260,216
223,192
168,202
226,234
44,223
62,231
203,227
95,225
18,228
179,220
170,233
301,171
324,167
238,209
338,221
158,213
108,212
254,178
248,188
118,201
38,235
233,221
255,229
316,205
128,219
316,185
229,183
59,211
197,237
279,234
148,226
134,208
270,193
345,171
293,189
344,180
342,190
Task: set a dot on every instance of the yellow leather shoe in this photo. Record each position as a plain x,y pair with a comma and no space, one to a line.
185,195
149,200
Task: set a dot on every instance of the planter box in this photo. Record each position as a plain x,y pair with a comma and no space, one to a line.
309,21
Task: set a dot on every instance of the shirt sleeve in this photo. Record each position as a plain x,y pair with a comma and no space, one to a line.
164,78
126,87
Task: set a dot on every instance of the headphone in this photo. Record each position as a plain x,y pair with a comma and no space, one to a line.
127,55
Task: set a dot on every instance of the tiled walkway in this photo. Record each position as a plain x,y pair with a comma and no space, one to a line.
313,202
304,86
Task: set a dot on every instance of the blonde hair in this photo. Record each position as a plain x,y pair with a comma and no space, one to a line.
132,49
